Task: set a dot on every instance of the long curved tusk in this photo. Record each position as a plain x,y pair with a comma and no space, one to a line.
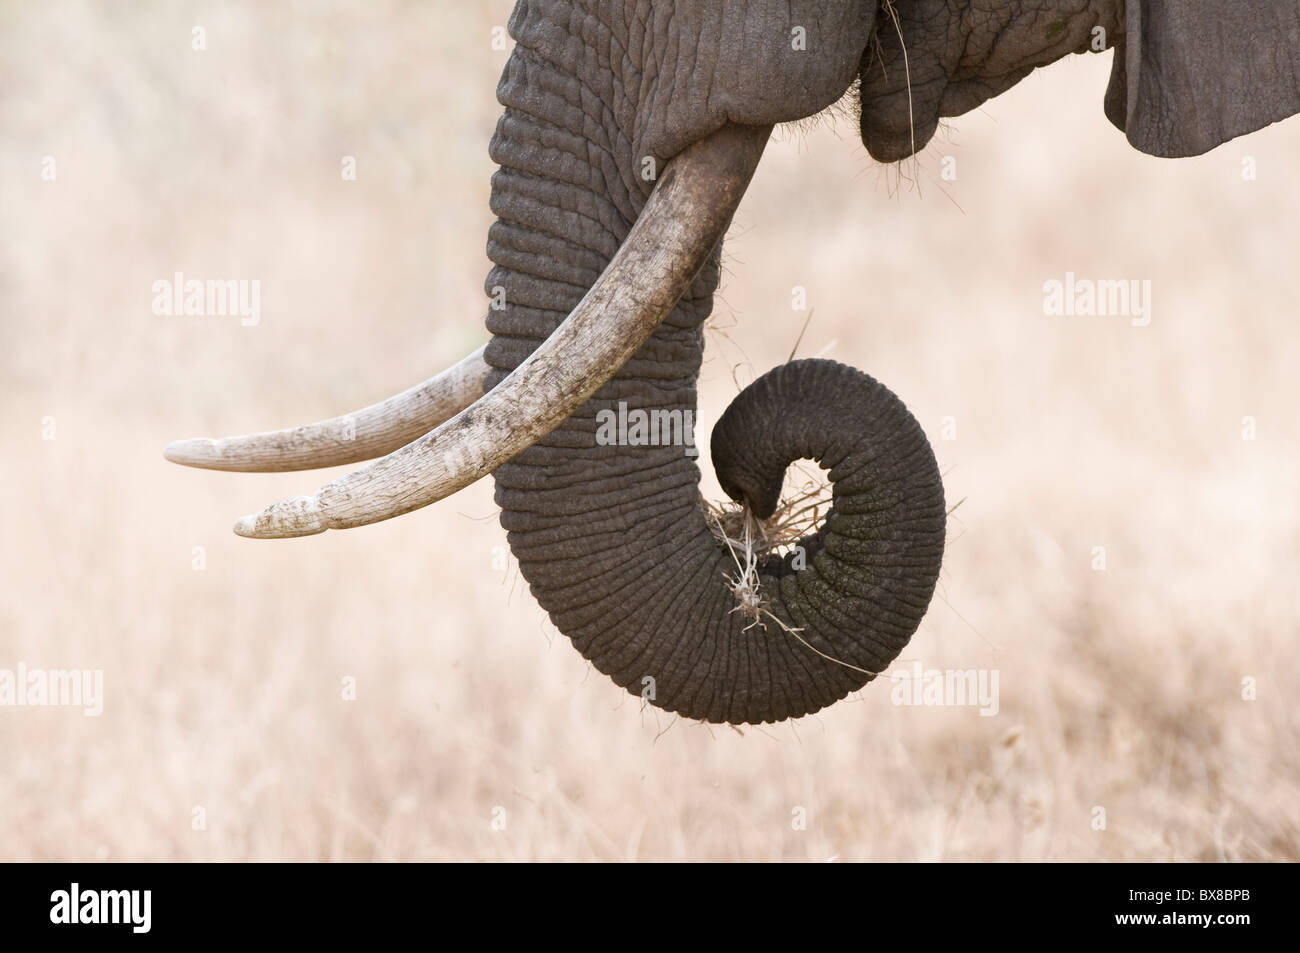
362,435
681,224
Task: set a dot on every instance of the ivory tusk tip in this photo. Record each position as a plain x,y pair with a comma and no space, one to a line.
246,526
299,516
194,452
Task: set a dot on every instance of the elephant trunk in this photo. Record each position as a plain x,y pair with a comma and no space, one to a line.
610,534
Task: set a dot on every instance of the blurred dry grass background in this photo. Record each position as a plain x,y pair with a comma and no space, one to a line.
1119,689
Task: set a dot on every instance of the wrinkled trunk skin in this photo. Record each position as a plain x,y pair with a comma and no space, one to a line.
612,539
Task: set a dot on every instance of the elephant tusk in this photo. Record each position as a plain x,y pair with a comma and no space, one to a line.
682,222
362,435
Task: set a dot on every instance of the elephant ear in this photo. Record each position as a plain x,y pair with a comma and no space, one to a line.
1192,74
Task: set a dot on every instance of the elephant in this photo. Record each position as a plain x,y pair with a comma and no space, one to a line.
630,130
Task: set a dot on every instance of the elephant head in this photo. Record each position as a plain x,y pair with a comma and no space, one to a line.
629,133
1187,75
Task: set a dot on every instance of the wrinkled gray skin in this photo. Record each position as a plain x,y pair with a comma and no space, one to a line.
612,539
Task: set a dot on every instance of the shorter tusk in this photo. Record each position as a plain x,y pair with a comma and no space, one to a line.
680,226
362,435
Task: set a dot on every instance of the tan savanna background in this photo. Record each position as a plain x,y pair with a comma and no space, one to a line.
225,734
